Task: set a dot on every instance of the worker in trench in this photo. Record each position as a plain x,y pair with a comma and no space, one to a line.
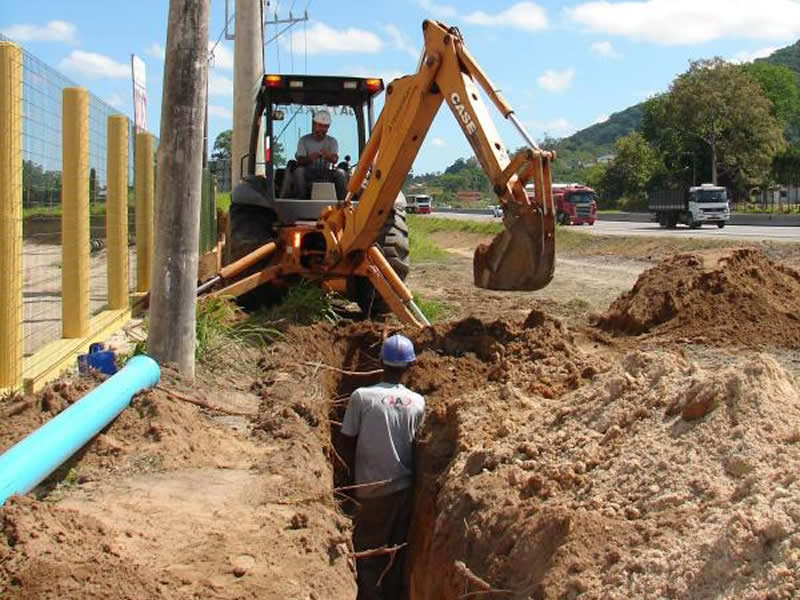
382,421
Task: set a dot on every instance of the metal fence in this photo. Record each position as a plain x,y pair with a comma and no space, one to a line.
42,91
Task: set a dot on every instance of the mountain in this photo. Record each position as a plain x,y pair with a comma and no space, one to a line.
600,137
604,134
787,57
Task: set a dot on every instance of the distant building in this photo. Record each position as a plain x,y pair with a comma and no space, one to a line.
605,159
469,196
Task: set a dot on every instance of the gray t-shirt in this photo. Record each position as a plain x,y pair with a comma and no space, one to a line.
385,417
308,144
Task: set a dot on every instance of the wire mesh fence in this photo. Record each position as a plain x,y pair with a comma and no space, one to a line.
42,90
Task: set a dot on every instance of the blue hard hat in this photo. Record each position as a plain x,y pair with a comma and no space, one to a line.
397,351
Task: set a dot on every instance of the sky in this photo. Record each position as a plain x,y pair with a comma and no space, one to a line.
562,66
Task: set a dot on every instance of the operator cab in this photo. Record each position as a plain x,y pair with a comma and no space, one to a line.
284,108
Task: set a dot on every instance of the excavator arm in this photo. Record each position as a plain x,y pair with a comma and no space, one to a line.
342,245
521,257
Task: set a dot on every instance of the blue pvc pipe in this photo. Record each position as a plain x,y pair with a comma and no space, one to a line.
28,462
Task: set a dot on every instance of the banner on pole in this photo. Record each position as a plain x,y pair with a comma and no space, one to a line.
139,94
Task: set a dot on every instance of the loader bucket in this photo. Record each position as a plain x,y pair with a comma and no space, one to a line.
520,258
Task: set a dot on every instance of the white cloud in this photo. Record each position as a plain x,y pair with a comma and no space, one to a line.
678,22
437,141
600,119
438,10
223,112
556,81
156,50
558,126
605,49
401,41
222,58
219,86
749,56
94,66
361,71
54,31
322,39
522,15
114,100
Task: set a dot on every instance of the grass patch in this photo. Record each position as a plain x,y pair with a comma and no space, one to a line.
305,303
423,249
573,239
223,326
224,201
420,224
434,310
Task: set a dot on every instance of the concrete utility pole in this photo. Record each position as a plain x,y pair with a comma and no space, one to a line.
178,187
248,68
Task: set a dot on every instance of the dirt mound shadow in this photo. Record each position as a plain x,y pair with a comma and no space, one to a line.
734,296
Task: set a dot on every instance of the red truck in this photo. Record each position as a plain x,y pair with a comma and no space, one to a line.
576,204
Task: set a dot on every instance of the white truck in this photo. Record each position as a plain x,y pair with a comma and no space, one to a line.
702,204
418,203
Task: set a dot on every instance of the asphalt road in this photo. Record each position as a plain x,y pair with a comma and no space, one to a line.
629,228
737,232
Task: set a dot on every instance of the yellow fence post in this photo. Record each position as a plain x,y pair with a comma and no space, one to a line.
10,215
145,191
117,211
75,213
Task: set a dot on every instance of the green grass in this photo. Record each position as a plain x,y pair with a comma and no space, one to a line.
305,303
420,224
97,209
433,309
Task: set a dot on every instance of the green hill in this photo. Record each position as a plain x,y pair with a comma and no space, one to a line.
601,136
787,57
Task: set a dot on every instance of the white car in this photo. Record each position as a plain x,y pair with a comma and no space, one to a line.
497,210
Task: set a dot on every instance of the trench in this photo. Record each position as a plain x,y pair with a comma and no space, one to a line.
454,361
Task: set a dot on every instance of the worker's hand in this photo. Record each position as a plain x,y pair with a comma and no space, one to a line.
314,156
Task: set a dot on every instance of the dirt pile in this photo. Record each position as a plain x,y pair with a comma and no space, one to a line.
658,479
735,296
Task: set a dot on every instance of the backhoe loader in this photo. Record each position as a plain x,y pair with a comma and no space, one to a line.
359,244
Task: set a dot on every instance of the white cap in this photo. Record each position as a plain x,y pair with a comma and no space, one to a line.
323,117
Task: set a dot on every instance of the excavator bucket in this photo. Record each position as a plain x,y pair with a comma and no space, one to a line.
520,258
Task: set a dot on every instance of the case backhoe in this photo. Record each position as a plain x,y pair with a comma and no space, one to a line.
359,244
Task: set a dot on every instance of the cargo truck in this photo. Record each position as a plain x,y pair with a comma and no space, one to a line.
699,205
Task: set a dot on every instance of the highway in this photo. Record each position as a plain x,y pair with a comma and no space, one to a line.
630,228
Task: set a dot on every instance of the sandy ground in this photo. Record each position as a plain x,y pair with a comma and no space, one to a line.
630,431
41,290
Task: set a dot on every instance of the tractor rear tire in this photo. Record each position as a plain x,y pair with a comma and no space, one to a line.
393,243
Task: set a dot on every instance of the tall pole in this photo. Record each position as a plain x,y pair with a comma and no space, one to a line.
178,187
248,68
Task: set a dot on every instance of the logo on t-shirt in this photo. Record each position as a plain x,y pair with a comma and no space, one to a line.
396,401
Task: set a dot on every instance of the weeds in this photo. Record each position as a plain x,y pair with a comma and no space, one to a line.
433,309
223,201
418,224
304,303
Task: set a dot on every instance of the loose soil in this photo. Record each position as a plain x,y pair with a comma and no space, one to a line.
630,431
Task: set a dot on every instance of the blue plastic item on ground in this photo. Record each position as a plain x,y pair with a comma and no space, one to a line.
31,460
99,359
